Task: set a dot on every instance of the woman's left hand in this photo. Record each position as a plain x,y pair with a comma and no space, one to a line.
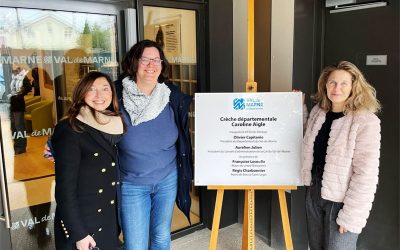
342,230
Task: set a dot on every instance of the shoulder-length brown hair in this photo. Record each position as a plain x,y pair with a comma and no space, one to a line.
78,98
130,62
362,96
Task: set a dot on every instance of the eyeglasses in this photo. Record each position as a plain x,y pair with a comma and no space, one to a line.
146,61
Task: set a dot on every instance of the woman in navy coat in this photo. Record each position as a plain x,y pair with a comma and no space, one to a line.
155,152
86,167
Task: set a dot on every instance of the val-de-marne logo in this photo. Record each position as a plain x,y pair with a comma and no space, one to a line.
238,103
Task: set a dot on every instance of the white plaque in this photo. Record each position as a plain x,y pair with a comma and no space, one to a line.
376,60
248,138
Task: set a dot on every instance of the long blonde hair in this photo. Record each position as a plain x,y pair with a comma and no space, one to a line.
362,96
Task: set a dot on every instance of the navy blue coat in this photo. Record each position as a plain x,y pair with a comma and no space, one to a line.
180,104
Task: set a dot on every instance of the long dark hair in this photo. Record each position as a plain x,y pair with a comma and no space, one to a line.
130,62
78,98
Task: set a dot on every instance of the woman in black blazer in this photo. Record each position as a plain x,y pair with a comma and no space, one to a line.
86,167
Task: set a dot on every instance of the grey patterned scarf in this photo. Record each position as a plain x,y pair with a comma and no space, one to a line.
140,107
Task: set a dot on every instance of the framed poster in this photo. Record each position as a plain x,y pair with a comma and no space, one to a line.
168,35
248,138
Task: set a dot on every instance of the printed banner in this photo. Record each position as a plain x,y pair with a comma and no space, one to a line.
248,138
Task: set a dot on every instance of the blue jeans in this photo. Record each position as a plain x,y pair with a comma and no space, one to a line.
146,210
323,231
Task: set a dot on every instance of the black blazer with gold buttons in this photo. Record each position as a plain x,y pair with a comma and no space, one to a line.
86,187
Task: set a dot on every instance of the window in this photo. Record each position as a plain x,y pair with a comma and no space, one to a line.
50,51
68,33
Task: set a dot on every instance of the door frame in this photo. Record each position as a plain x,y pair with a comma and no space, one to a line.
199,7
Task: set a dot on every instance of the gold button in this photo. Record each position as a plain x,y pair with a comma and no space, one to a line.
96,154
117,182
112,201
100,229
103,170
113,183
100,190
113,164
67,236
99,210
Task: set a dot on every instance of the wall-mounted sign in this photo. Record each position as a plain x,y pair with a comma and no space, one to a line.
248,138
376,60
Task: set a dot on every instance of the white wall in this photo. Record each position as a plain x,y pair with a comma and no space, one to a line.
239,45
282,28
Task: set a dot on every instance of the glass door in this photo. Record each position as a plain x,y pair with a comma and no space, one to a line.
176,27
43,55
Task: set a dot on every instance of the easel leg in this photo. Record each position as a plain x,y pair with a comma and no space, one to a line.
285,219
245,232
216,219
248,221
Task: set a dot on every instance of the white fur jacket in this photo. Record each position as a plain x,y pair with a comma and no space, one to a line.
351,166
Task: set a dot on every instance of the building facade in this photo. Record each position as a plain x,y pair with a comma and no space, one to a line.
206,43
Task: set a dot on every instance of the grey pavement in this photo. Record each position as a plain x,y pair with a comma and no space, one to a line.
229,238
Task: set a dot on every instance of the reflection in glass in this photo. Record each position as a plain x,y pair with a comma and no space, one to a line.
43,54
175,31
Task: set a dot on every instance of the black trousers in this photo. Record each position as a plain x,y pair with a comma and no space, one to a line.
323,231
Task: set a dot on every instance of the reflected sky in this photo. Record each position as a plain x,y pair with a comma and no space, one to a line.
12,17
32,28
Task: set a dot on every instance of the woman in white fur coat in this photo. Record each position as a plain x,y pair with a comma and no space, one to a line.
341,150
